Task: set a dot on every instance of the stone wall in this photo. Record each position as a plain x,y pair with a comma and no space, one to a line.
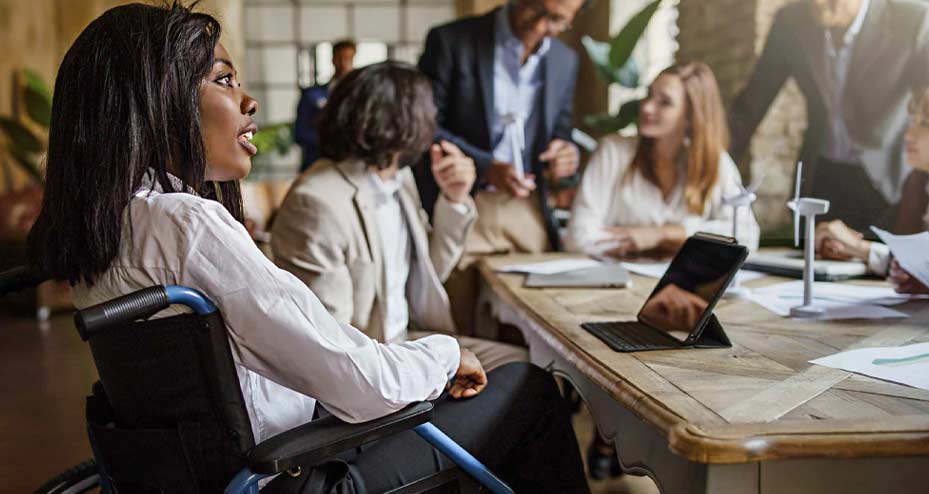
729,35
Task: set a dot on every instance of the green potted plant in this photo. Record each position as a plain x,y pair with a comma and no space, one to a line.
615,65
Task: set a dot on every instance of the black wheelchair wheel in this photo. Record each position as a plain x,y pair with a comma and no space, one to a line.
81,478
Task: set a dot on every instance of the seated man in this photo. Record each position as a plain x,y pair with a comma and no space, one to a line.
352,227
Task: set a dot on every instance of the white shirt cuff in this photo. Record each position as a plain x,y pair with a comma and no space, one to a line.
879,259
446,351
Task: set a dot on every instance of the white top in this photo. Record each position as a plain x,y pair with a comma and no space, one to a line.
398,253
288,350
605,199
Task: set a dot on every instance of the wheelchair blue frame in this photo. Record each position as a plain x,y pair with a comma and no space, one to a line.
246,481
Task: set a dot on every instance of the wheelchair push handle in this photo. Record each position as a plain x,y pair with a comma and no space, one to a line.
140,304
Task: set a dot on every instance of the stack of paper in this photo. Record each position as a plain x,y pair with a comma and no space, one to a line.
905,365
841,301
910,251
657,270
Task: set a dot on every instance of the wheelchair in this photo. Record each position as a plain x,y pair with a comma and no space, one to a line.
168,416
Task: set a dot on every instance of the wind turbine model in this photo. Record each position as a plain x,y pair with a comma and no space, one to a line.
807,207
743,199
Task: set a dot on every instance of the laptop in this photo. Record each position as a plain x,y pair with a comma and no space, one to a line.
790,265
679,311
607,276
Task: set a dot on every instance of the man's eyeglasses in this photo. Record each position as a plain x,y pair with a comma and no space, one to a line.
536,11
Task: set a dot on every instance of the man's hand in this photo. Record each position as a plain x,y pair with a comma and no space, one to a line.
470,378
835,240
563,159
503,176
904,282
453,171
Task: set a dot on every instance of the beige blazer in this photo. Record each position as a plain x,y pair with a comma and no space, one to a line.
325,234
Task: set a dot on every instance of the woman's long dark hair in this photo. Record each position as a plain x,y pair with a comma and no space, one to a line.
126,101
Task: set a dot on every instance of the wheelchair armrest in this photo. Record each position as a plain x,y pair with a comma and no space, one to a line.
19,278
315,442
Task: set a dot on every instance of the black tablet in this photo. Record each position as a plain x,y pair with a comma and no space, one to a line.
684,298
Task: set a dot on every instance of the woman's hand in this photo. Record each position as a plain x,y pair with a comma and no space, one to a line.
835,240
904,282
470,378
629,240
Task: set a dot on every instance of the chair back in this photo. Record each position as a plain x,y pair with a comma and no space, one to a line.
170,416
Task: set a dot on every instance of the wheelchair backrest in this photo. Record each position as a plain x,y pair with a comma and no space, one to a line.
173,405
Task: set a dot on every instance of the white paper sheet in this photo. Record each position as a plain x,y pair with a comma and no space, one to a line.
834,310
841,301
657,270
907,364
910,251
550,267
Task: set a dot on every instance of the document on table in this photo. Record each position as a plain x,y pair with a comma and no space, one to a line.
841,300
907,364
910,251
657,270
550,267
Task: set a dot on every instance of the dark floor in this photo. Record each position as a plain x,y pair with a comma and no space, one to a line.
45,372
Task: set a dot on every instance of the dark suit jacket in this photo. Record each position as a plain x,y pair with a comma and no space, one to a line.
312,101
459,58
890,56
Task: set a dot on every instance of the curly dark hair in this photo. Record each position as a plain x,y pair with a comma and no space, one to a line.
377,113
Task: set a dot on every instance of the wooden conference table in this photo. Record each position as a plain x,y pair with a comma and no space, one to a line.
754,418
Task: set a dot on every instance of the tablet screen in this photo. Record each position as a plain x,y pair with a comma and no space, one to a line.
684,297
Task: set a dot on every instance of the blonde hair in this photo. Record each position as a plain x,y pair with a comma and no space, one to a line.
919,101
709,135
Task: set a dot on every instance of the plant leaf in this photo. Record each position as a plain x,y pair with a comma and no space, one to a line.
38,99
28,163
19,136
628,113
599,54
624,42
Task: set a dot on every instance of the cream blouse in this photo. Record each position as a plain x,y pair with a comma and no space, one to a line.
606,199
288,350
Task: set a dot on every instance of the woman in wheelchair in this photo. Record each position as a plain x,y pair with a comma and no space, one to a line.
150,134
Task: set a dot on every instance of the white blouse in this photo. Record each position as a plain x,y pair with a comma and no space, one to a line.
288,350
605,199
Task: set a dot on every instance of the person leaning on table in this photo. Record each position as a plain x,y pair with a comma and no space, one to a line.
647,194
835,240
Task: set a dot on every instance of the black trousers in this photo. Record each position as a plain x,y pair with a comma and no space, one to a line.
519,427
852,196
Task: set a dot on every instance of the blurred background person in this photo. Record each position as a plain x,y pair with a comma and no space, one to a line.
645,195
352,227
854,61
513,115
836,240
313,99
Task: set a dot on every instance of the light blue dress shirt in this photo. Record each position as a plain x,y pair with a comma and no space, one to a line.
517,91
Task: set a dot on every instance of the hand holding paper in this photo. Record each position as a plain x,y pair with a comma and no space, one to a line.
912,255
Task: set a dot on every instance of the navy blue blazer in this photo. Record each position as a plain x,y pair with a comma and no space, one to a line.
312,101
459,59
